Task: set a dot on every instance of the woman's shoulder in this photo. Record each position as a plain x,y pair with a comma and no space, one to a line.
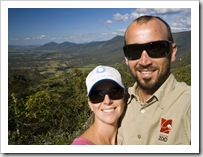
81,141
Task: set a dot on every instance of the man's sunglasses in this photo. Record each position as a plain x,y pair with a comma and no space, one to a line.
155,49
97,96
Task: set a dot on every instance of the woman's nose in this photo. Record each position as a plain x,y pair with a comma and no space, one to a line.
107,100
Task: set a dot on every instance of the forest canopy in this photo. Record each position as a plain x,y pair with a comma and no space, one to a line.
53,110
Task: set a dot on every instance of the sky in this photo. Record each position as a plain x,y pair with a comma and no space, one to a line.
38,26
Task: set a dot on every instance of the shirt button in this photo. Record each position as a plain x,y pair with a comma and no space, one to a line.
142,111
139,136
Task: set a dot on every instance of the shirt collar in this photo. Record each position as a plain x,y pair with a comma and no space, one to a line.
161,94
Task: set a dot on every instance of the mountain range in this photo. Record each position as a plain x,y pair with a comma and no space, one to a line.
183,40
111,50
99,52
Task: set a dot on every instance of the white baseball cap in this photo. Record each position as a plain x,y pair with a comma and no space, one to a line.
103,73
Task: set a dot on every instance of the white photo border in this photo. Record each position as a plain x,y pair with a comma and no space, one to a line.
195,145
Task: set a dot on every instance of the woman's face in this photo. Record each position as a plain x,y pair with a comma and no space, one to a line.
108,110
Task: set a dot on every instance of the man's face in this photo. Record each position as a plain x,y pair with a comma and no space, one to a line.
149,72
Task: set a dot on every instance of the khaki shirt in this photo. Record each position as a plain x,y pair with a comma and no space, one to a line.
165,118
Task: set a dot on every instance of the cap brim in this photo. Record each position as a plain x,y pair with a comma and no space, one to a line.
96,83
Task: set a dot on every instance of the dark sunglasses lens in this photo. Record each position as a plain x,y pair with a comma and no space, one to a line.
155,49
116,93
132,52
158,49
98,96
96,99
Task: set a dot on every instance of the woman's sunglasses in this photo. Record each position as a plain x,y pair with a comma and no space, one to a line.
155,49
97,96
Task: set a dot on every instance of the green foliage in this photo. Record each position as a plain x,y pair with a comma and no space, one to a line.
54,110
128,80
183,74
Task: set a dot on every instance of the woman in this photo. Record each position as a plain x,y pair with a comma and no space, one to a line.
106,100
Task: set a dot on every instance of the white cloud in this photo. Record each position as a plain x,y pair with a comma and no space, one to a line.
104,33
27,38
53,38
121,30
124,17
114,33
178,18
146,11
41,37
167,10
108,22
153,11
134,15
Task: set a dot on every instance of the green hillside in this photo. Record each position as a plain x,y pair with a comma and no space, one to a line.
47,99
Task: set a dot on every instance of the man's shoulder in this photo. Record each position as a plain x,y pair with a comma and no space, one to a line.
179,94
177,86
182,86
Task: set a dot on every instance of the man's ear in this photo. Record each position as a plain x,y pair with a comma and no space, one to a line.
173,53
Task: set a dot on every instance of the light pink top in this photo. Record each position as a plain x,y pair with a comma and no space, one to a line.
81,141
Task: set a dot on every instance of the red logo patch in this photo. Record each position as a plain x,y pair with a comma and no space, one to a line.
166,125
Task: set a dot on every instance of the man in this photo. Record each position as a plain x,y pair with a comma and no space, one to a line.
159,107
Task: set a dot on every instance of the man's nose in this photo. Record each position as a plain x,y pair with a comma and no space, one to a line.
145,59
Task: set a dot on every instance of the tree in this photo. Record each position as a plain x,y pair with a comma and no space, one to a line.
52,113
183,74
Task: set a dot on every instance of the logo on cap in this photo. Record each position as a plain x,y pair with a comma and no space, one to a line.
100,69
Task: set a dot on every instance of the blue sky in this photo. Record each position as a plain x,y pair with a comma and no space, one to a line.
31,26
